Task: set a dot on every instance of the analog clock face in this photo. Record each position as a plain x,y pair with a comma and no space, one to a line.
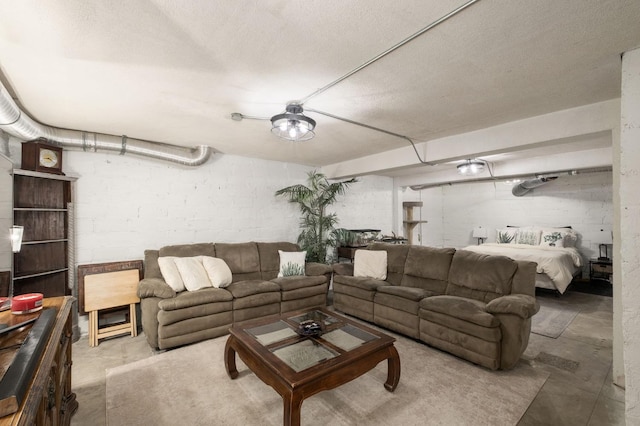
48,158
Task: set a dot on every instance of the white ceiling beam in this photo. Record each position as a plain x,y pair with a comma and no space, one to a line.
534,132
587,159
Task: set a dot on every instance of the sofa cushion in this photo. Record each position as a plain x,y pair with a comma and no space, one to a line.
246,288
171,273
428,268
243,260
151,267
462,308
480,276
269,257
410,293
188,299
188,250
396,258
370,263
291,263
297,282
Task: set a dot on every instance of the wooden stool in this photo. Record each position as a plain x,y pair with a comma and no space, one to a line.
111,290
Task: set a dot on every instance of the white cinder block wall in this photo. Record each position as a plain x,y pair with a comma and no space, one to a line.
583,202
125,204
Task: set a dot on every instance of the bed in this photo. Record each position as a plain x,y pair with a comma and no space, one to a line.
553,250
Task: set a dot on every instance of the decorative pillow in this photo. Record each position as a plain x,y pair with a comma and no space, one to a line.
217,270
371,264
170,272
291,263
529,236
506,235
552,239
192,272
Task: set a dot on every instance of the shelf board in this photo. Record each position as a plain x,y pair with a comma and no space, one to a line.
40,274
37,209
414,222
412,204
21,172
62,240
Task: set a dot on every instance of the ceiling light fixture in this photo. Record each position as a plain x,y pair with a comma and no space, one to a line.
471,167
293,125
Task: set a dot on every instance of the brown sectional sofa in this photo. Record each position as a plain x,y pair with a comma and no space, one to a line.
171,318
475,306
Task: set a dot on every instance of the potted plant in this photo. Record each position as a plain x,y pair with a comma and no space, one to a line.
317,227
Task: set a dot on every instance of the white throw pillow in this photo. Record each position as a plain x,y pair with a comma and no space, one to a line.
193,273
291,263
506,235
529,236
552,238
170,272
217,270
370,264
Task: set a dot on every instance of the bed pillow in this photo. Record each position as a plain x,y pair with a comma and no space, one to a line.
193,273
529,236
370,264
291,263
170,272
506,235
218,271
552,238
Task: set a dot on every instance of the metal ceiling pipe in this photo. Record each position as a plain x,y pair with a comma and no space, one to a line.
15,122
523,187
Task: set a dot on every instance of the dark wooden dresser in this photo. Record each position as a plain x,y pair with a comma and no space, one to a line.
48,399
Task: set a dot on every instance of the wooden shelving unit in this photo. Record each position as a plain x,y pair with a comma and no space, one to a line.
409,222
40,204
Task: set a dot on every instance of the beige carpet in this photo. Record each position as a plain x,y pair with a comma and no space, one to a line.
190,386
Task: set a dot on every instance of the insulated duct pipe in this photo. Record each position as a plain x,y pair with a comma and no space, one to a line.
20,125
523,187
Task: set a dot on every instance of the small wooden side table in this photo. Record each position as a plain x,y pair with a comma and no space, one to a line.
600,268
111,290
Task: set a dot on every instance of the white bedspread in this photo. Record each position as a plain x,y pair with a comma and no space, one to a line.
559,263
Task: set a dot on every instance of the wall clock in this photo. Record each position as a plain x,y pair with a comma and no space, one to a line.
40,156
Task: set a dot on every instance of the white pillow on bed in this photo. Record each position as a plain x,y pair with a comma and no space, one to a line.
506,235
529,236
552,239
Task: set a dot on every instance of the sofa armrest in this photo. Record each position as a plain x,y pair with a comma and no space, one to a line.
155,287
314,268
343,268
521,305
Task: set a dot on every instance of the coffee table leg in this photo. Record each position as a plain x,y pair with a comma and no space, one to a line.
230,358
393,374
292,407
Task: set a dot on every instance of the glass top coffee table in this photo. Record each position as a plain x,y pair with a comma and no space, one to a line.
298,363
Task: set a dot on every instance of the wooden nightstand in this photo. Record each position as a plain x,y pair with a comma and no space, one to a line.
602,269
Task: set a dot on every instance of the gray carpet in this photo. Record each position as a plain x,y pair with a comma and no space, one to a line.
190,386
553,318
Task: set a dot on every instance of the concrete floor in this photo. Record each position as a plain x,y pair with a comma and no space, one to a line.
579,390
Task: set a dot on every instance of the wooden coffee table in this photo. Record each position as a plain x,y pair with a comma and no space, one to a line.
300,366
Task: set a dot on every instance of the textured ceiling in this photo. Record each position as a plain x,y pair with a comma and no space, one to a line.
174,72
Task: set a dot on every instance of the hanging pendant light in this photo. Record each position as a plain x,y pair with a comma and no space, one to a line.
293,125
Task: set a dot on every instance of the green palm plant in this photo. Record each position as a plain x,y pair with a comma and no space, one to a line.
317,227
